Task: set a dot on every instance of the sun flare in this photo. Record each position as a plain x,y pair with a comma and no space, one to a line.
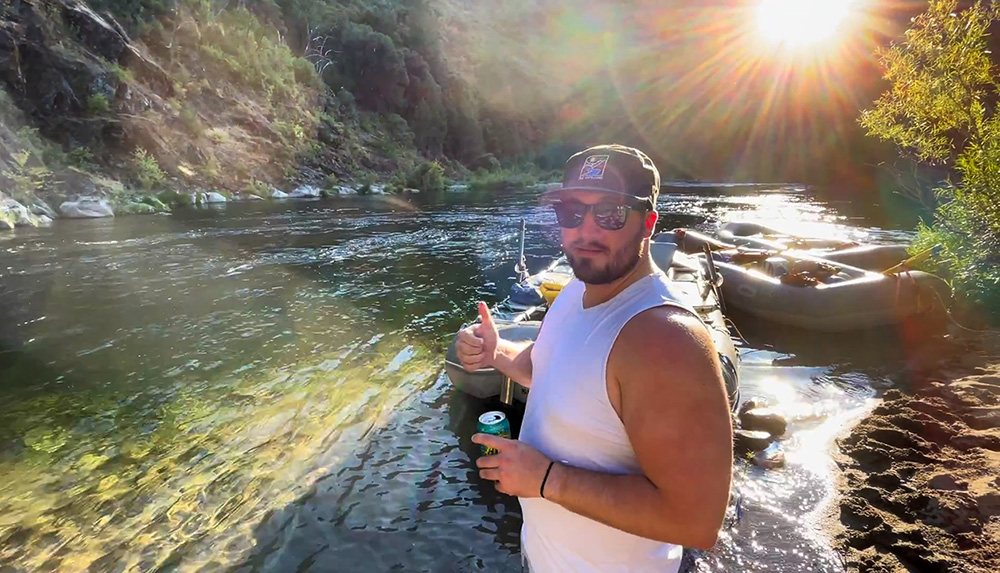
800,22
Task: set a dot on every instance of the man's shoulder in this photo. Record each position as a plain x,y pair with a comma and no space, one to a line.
665,323
663,336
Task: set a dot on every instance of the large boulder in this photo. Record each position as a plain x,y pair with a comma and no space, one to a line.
16,214
278,194
41,208
213,197
86,207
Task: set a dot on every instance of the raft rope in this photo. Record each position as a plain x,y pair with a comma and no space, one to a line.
936,297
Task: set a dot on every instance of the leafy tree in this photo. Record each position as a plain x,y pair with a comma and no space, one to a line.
941,107
374,68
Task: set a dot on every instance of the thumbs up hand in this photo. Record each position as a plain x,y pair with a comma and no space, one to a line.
477,344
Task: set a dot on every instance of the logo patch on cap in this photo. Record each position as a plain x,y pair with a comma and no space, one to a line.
594,166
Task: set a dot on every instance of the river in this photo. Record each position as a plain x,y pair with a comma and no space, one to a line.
259,387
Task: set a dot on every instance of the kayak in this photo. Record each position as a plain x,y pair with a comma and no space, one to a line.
815,293
689,278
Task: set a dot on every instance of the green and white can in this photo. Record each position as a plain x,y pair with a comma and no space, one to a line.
495,423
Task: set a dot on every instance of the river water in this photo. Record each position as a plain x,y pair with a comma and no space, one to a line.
259,387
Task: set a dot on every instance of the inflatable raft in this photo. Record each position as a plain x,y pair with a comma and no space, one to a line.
851,253
817,294
689,281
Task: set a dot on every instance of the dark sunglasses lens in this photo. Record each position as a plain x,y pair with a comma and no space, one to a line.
570,215
610,217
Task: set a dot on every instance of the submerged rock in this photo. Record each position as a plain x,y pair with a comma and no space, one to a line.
86,207
765,420
770,457
750,441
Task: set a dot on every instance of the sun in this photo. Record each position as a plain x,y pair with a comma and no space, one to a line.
800,22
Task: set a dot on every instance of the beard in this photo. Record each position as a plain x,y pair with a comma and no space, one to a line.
620,264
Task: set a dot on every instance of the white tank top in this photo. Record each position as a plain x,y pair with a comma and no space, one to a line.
569,418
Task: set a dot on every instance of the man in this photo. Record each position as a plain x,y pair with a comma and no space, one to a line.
625,451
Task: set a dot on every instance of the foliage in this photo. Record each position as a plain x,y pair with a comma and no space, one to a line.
81,157
189,118
122,75
27,176
42,149
253,53
98,104
427,177
146,170
507,178
174,198
365,185
258,188
941,107
968,255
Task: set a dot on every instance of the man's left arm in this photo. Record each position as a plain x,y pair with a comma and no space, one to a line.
675,411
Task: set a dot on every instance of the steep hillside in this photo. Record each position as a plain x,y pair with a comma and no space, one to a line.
169,97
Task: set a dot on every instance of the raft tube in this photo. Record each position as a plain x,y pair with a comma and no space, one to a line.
870,257
755,235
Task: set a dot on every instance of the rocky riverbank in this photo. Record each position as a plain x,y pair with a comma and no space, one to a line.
920,482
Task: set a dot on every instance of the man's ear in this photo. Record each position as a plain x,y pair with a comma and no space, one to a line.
651,218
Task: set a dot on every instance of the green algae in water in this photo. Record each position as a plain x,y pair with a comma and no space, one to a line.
197,472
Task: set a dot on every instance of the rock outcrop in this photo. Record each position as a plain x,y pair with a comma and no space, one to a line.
86,207
58,84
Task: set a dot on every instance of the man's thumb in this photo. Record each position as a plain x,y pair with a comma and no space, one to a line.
486,317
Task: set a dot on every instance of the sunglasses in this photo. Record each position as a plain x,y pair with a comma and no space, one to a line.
608,216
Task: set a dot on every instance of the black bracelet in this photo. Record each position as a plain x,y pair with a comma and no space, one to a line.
541,490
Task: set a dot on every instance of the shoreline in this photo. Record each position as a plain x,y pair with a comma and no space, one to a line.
918,486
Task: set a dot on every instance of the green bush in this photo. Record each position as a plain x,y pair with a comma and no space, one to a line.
365,185
483,180
98,104
427,177
174,198
27,176
146,170
190,120
153,202
941,109
969,255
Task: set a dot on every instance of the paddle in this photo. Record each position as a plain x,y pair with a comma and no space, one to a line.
917,258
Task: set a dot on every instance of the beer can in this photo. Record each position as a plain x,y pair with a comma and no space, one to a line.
495,423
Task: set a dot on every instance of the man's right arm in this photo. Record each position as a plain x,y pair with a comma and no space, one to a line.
480,346
514,360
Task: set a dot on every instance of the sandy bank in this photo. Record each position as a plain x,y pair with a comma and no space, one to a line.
920,482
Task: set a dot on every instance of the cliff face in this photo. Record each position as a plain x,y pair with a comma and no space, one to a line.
208,100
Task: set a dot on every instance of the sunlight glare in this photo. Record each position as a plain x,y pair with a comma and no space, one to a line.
800,22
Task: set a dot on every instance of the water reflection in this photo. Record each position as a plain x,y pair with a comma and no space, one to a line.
257,387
